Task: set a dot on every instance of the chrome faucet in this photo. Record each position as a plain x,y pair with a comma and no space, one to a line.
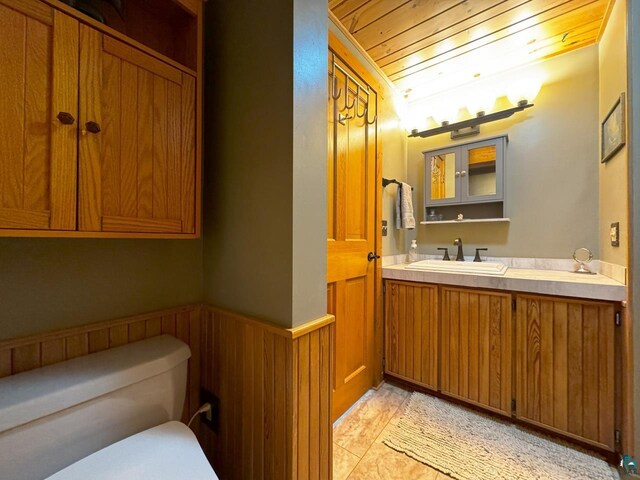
460,257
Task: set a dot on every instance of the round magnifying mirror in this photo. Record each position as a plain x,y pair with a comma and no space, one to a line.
583,256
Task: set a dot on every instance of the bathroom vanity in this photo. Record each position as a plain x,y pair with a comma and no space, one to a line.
534,345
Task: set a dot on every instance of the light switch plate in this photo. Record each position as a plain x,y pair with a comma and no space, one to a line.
384,228
615,234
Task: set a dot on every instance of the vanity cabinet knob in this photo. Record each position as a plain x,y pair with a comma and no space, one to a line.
66,118
457,174
91,127
463,173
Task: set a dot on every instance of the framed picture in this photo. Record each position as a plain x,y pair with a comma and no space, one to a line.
614,130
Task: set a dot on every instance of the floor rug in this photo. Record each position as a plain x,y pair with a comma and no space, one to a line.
470,446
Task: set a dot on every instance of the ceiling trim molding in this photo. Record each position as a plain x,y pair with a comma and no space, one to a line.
605,20
372,64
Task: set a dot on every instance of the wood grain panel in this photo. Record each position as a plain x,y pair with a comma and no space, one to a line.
475,347
274,391
411,332
138,174
565,367
90,147
32,8
448,41
39,54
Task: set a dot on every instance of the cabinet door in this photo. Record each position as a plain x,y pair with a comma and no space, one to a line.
38,77
565,367
476,347
482,171
137,148
411,332
442,177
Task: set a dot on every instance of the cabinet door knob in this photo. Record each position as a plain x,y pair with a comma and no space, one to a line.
463,173
457,174
66,118
91,127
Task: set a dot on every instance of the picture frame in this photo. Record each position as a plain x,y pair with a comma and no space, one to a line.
613,130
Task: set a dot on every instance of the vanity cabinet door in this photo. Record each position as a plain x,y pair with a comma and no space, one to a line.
475,346
442,177
482,171
565,367
38,117
137,143
411,332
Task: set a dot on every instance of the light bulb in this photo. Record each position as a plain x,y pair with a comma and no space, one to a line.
481,101
523,89
446,112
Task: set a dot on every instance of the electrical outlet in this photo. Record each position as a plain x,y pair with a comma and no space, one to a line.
212,418
384,228
615,234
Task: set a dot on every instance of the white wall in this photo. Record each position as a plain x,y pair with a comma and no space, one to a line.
614,203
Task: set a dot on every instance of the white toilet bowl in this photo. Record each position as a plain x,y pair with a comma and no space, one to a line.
167,452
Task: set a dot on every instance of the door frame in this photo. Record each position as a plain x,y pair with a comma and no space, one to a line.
341,51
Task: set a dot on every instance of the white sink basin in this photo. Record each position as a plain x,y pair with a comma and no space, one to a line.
482,268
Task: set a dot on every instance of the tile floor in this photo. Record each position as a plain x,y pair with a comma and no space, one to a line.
358,451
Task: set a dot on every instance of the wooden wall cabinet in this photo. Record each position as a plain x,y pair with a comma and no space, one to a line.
411,332
565,367
98,123
475,348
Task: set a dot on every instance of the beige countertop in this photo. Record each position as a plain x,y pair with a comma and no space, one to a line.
544,282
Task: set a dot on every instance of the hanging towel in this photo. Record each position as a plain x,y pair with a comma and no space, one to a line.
404,207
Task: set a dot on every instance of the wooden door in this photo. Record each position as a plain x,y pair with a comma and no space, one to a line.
565,366
137,148
411,332
38,77
351,237
476,348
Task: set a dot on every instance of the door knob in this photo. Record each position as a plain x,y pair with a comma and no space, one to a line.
66,118
91,127
372,256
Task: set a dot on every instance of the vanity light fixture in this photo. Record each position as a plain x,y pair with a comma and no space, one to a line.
471,123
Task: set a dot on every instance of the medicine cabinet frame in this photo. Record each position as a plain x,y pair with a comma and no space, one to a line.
461,169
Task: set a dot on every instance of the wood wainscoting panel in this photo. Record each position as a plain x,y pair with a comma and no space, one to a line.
565,362
273,385
28,353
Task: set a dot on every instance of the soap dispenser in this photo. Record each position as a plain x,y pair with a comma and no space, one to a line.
413,251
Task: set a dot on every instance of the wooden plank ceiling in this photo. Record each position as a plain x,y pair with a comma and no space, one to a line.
426,46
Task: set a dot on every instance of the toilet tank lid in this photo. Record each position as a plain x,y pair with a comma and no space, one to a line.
31,395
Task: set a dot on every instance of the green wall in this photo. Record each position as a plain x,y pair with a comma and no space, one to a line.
48,284
551,179
265,159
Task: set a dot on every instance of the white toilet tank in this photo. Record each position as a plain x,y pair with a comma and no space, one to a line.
54,416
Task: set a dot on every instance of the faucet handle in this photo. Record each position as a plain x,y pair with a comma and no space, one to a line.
477,257
446,254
